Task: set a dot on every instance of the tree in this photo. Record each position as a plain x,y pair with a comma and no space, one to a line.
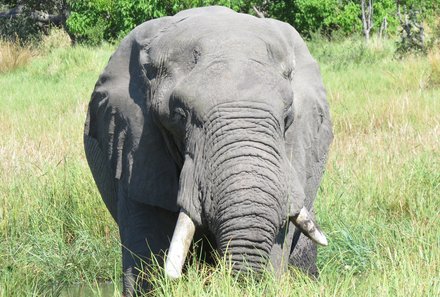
26,19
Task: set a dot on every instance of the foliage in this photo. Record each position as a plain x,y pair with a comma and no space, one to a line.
114,19
329,16
326,16
50,6
128,14
385,10
21,29
427,8
97,20
89,21
92,21
23,26
412,35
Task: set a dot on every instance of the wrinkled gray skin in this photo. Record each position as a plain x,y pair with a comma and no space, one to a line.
217,113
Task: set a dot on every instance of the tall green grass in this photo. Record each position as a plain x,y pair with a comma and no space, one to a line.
53,227
379,201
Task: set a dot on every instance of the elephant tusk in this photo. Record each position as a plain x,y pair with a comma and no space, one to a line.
182,237
310,229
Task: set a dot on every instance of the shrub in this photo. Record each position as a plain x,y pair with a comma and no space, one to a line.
129,14
320,15
412,35
89,20
327,16
93,20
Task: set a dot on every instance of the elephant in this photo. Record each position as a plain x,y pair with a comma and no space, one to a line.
214,125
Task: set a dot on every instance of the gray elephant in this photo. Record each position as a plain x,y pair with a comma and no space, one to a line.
211,124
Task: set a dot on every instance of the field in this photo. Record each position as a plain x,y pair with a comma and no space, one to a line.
379,202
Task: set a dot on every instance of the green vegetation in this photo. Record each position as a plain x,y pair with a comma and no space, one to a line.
30,19
379,201
53,228
94,21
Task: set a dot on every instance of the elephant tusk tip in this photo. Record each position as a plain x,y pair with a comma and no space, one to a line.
320,238
305,223
171,272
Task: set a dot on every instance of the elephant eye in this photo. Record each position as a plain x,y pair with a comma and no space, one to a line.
288,118
179,114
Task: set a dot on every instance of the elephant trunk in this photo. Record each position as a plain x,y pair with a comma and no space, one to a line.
248,184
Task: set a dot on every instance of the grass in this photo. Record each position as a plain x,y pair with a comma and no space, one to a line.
434,61
13,56
379,201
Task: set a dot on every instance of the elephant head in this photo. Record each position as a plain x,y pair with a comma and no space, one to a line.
219,116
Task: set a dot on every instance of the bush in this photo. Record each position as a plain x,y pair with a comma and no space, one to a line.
325,16
92,21
328,16
89,20
412,35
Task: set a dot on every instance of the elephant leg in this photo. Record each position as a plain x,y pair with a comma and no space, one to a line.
145,231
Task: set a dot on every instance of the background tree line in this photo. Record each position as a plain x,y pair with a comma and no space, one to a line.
94,21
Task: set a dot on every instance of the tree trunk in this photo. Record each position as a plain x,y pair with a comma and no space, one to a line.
367,17
383,28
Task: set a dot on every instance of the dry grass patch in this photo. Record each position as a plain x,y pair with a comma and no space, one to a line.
13,55
56,39
434,62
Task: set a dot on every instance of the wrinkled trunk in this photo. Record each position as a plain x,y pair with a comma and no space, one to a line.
247,182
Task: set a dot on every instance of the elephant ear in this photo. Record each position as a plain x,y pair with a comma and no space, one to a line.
310,135
124,147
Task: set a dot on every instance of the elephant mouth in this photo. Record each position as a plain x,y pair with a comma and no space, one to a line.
244,181
184,233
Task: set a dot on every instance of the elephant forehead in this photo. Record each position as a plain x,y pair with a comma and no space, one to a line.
223,81
206,60
191,40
